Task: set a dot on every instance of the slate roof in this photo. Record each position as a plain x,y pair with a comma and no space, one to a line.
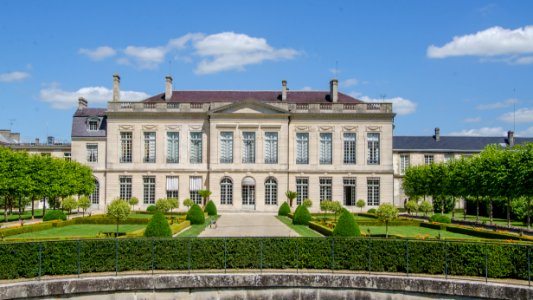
79,122
450,143
263,96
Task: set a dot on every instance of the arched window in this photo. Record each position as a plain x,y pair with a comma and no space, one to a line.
226,191
271,191
95,196
248,193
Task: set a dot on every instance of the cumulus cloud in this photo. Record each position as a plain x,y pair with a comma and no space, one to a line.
484,131
349,82
472,120
146,57
494,41
526,132
522,115
13,76
61,99
307,88
99,53
497,105
400,106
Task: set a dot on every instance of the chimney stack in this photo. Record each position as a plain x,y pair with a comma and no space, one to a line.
116,88
284,90
82,103
37,141
334,90
437,134
510,138
168,88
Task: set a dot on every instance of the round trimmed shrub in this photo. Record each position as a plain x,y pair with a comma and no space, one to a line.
440,218
210,208
372,211
195,215
301,216
158,226
151,209
284,209
54,215
346,225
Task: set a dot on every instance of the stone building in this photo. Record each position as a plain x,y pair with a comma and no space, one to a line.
247,147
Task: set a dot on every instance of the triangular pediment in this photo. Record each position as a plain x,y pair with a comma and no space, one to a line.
248,107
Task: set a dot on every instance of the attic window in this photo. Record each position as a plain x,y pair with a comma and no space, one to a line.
92,124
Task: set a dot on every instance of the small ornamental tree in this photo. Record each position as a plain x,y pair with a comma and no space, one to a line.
425,207
284,209
336,208
69,204
301,216
387,213
195,215
162,205
158,226
133,201
151,209
84,203
54,215
204,194
173,203
307,202
188,203
411,206
119,210
291,195
346,226
210,208
361,204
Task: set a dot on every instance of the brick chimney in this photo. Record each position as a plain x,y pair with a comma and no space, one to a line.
116,87
334,90
284,90
168,88
437,134
510,138
82,103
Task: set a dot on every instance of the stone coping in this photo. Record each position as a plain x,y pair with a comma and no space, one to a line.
431,287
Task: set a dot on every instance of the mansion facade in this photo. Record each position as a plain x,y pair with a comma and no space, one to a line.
247,147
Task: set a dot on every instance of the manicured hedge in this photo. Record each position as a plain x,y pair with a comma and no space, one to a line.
21,260
284,209
321,228
211,208
54,215
399,222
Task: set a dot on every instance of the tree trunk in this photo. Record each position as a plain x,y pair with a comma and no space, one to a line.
528,213
453,209
32,207
490,210
44,206
477,209
116,234
508,211
464,208
442,205
386,229
5,210
20,210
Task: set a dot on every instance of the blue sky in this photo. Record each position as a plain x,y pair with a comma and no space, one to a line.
463,66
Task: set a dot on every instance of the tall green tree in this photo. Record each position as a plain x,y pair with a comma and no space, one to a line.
119,210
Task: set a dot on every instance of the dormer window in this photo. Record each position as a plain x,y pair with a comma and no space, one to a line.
92,124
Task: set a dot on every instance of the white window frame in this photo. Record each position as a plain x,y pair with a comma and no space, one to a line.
350,149
92,152
196,147
373,140
126,150
226,191
429,159
173,186
149,189
302,148
226,147
405,162
149,147
302,189
271,147
125,187
195,184
350,182
173,147
373,191
326,188
271,191
326,148
248,147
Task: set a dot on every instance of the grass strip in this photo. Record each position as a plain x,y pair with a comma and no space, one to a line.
195,230
302,230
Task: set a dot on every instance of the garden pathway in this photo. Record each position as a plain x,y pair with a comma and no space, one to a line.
248,224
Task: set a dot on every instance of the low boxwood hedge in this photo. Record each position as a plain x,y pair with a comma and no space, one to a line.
321,228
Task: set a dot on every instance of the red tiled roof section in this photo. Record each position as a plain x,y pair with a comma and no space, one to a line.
263,96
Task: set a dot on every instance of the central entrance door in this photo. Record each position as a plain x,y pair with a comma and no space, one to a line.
248,193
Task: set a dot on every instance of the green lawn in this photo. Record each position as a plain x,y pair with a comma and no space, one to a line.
415,232
82,230
332,217
25,215
302,230
498,221
195,230
140,216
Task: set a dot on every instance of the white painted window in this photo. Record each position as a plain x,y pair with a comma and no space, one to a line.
95,196
325,188
404,163
196,148
173,147
349,148
349,191
226,191
429,159
226,147
125,187
149,189
195,184
373,149
149,147
248,149
271,191
373,191
172,186
125,147
302,148
271,147
326,148
302,188
92,152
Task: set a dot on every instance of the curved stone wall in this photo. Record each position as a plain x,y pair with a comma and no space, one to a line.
261,286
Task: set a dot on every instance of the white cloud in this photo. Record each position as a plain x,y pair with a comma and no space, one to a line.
472,120
489,42
307,88
349,82
62,99
232,51
400,106
526,60
13,76
497,105
526,132
484,131
146,57
99,53
522,115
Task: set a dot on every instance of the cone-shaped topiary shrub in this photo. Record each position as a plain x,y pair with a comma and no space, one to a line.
158,226
54,215
151,209
210,208
195,215
346,226
284,209
301,216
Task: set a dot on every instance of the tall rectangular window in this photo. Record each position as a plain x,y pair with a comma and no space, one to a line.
149,189
173,147
226,147
325,188
373,148
172,186
125,187
248,148
92,152
302,188
271,191
349,191
429,159
195,184
226,191
349,148
149,147
196,148
271,147
67,156
125,147
302,148
325,148
404,163
373,192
